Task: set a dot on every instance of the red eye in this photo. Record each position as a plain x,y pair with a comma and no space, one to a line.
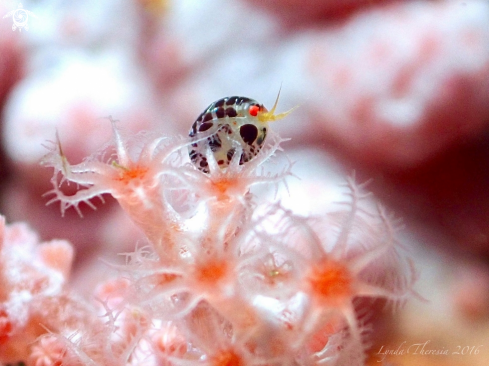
254,109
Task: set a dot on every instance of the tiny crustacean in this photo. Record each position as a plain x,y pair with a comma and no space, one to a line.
231,121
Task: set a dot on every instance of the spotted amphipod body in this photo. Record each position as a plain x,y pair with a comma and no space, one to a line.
231,120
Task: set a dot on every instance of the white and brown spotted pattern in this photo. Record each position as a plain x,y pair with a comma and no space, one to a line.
230,121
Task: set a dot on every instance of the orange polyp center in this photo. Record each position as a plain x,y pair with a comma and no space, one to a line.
222,185
212,271
226,358
331,281
127,175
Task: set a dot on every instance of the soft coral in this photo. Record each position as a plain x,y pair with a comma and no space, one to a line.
33,276
226,280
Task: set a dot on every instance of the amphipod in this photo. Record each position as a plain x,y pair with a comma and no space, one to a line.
231,120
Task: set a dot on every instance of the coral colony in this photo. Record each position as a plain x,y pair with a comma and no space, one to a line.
225,279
